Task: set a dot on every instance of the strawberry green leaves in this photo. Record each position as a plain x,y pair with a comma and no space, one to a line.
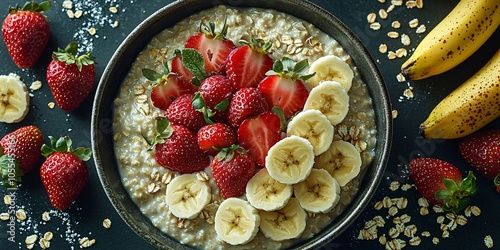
456,197
65,144
287,68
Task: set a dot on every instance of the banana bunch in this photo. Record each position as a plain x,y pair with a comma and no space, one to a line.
468,108
304,171
14,99
454,39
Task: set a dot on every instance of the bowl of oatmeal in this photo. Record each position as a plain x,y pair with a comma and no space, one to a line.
124,115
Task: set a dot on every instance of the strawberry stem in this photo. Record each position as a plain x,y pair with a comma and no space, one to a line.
163,131
457,197
31,6
11,173
287,68
64,144
69,56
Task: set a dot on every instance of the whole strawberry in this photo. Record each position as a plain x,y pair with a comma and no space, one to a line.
232,168
26,32
211,138
70,77
182,112
441,183
20,151
216,92
64,173
482,151
175,148
246,102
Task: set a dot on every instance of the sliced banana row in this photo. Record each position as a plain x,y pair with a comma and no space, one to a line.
266,193
331,99
290,160
14,99
186,196
314,126
319,193
342,160
330,68
236,221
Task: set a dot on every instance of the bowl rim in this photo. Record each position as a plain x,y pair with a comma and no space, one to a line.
100,126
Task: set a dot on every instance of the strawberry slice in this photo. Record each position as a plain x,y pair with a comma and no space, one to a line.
441,183
247,65
246,102
213,45
259,134
181,71
166,87
284,86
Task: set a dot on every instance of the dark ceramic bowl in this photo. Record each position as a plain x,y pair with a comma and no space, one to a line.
102,134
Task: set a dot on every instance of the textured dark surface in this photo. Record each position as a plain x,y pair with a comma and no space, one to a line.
84,218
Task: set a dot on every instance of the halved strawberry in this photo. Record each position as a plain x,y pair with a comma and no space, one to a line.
284,87
181,71
213,137
246,102
166,87
247,65
259,134
213,45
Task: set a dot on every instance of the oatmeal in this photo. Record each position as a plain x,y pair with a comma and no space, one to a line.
134,118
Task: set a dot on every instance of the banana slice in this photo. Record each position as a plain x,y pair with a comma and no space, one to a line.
342,160
319,193
14,99
187,196
236,221
331,99
315,127
286,223
330,68
266,193
290,160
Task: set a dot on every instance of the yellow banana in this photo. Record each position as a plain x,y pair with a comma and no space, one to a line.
468,108
454,39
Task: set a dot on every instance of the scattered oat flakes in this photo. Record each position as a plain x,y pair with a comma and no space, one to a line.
92,31
420,3
424,211
106,223
371,17
86,242
382,48
67,4
4,216
408,93
390,8
70,14
113,10
382,239
7,200
405,40
115,24
400,77
394,185
393,211
426,234
421,29
44,244
46,216
36,85
78,13
375,26
401,52
48,236
475,210
435,240
393,34
406,187
415,241
51,105
378,205
410,4
153,188
397,2
21,214
396,24
488,241
394,113
413,23
381,1
391,55
31,240
382,14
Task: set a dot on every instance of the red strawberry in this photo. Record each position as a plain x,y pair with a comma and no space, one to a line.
482,151
246,102
213,137
441,183
182,112
217,92
20,150
176,148
247,65
70,78
213,45
26,33
232,168
181,71
284,87
166,87
64,173
259,134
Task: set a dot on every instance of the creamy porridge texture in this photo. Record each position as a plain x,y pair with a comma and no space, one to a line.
134,117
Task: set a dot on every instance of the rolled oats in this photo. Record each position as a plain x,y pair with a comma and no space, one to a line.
167,177
7,200
375,26
405,218
36,85
435,240
78,13
391,55
488,241
394,116
70,13
30,240
424,211
445,234
378,205
21,214
392,211
202,176
411,4
406,187
382,239
371,17
44,244
48,236
390,8
393,34
394,185
382,14
461,220
85,242
426,234
476,211
410,231
415,241
401,52
51,105
437,209
106,223
396,24
113,10
382,48
397,2
420,3
92,31
45,216
67,4
405,40
408,93
421,29
153,188
400,77
387,202
413,23
4,216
